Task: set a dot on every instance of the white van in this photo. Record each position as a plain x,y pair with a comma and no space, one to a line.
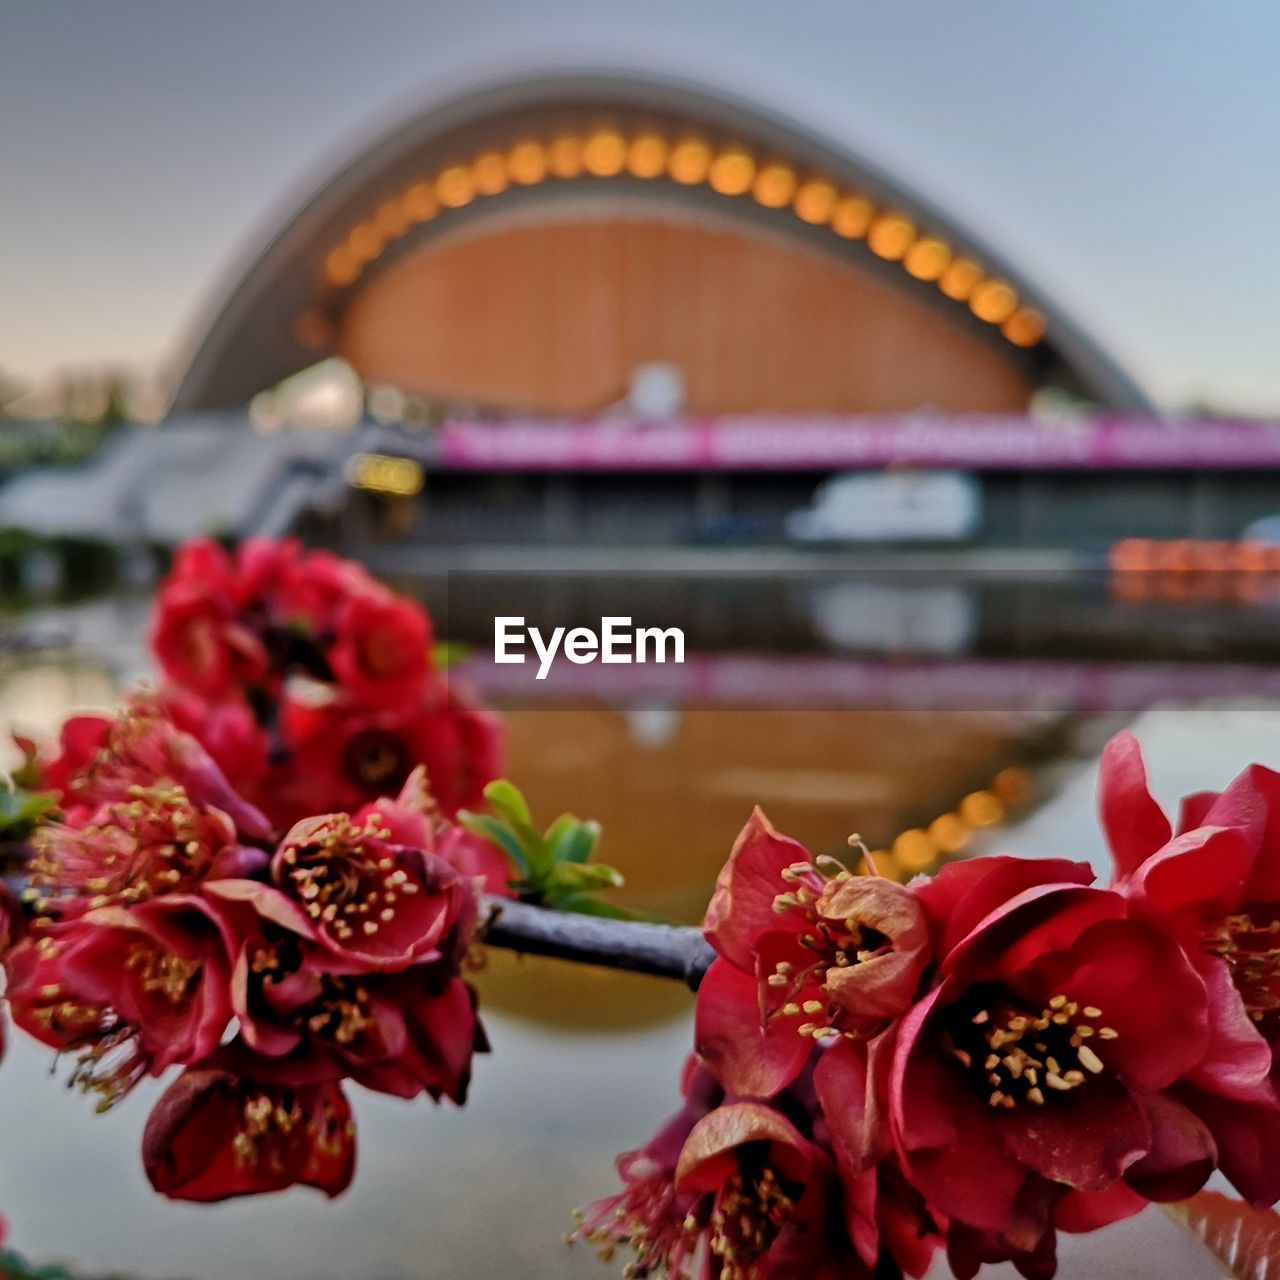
890,506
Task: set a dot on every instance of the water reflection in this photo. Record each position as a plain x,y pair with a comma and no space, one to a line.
586,1062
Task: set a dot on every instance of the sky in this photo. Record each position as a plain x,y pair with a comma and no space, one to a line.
1123,157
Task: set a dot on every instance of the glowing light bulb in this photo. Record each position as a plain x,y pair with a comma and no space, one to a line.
689,161
774,186
391,220
815,202
564,157
852,217
647,156
959,280
993,301
927,259
732,172
527,163
890,236
365,242
455,187
420,203
605,153
1024,328
915,849
981,809
489,173
340,267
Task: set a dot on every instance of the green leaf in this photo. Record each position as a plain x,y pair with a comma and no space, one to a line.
507,798
20,811
577,843
573,877
489,828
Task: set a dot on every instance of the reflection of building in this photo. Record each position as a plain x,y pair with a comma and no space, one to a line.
529,246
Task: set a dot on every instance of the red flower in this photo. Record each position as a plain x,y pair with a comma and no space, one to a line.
809,952
1042,1067
228,731
1215,888
414,818
79,742
157,842
107,762
382,653
212,1136
380,904
344,756
200,637
131,990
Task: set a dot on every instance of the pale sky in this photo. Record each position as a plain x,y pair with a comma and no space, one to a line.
1124,157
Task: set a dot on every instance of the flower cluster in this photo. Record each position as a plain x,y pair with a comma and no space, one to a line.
312,685
972,1062
171,926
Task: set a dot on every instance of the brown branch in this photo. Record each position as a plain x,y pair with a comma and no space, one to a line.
664,950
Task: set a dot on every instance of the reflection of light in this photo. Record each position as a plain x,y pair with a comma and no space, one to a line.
890,236
565,157
647,156
927,259
455,186
852,216
815,202
604,154
915,849
420,203
653,726
775,185
959,278
1024,328
993,301
732,172
981,809
489,171
689,161
950,832
527,163
383,473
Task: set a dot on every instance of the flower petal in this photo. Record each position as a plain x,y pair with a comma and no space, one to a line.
750,1056
1135,825
741,908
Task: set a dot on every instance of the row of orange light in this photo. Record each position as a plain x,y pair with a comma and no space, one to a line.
919,848
730,171
1193,555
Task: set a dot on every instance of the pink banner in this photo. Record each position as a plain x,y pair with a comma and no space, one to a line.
976,442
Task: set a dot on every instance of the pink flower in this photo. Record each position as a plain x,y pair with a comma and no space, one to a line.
213,1135
808,953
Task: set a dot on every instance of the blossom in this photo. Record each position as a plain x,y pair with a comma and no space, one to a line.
343,756
129,990
1214,886
213,1135
1037,1080
106,760
156,842
202,637
808,952
381,655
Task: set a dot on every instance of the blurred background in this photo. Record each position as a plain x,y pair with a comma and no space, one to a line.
918,361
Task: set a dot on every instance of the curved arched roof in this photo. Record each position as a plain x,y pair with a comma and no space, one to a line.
496,146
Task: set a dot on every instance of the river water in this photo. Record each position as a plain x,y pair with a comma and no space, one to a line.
882,718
